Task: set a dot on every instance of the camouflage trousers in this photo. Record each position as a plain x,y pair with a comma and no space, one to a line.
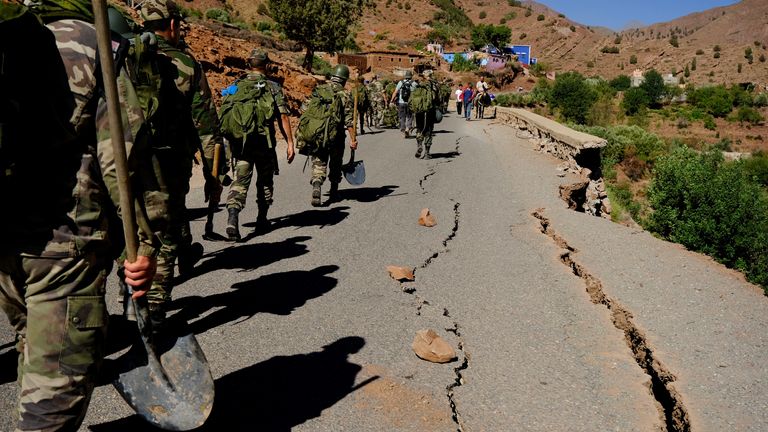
330,157
425,126
378,109
176,173
56,306
263,159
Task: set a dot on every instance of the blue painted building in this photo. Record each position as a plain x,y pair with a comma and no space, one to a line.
523,53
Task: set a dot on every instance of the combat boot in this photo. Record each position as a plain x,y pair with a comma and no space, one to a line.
419,149
233,230
262,223
157,316
316,194
426,154
333,193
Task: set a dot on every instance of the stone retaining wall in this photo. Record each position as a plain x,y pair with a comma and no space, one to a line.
579,151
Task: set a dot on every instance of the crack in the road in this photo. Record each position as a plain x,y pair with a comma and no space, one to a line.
458,370
451,236
668,400
433,169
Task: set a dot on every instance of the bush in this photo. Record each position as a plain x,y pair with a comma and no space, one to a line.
523,36
621,83
709,123
610,50
262,9
540,17
515,3
714,207
460,64
715,100
218,15
573,96
635,100
699,51
483,15
749,115
756,167
626,142
633,59
622,201
760,100
528,12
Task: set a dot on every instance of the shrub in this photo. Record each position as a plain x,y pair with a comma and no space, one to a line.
633,59
514,3
748,55
756,167
460,64
635,100
262,9
699,51
218,15
523,36
407,6
483,15
709,123
503,21
625,142
714,207
573,96
715,100
693,64
673,41
738,68
540,17
622,201
761,58
749,115
510,16
716,55
610,50
621,83
761,100
528,12
573,29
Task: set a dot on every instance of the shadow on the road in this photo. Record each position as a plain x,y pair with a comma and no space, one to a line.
200,212
307,218
276,293
277,394
367,194
446,155
372,132
248,257
441,131
8,362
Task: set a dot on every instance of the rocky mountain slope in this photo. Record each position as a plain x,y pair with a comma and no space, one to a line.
567,45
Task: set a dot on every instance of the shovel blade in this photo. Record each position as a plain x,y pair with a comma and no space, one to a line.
168,383
354,172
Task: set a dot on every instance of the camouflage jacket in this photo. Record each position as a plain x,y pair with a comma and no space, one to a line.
83,213
349,103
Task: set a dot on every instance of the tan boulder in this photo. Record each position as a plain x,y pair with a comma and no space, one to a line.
430,347
427,219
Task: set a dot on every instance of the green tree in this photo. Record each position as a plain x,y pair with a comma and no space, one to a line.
572,96
621,83
633,59
635,100
653,85
748,55
483,34
318,24
693,64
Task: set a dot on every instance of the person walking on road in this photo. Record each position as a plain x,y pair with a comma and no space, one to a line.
57,172
425,113
256,149
459,96
467,98
326,160
402,94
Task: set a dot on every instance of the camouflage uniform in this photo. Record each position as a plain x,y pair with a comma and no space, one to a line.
425,122
258,151
378,105
57,237
332,154
174,153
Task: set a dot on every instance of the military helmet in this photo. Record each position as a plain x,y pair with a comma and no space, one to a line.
118,23
341,71
258,57
153,10
408,74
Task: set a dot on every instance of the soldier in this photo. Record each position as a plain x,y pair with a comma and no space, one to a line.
360,92
57,237
425,121
175,143
258,150
333,153
401,94
378,98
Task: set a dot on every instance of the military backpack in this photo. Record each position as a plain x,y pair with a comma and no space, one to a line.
248,107
322,122
423,98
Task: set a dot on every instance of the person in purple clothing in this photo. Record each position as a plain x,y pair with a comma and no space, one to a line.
467,99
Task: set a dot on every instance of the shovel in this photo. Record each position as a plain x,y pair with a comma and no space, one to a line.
166,381
354,171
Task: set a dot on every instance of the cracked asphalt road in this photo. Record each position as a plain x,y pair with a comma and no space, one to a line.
305,331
